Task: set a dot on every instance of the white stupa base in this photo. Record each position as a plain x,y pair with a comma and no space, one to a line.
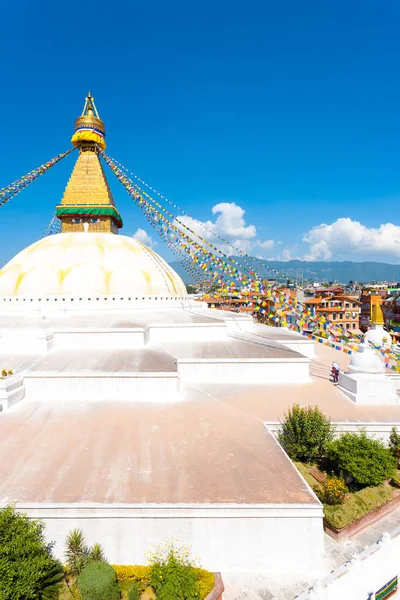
369,388
30,341
12,390
102,386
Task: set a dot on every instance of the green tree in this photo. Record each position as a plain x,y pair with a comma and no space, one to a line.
98,581
367,460
394,443
305,433
28,569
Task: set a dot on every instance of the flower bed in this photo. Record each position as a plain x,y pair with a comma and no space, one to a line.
359,509
210,584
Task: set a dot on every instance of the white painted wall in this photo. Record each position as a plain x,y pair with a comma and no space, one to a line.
361,578
182,332
135,387
93,340
245,370
249,538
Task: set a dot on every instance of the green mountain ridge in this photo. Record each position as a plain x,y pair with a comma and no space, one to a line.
346,271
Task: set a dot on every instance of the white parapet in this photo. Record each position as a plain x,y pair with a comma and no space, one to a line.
86,386
224,370
12,390
369,388
93,339
25,341
273,538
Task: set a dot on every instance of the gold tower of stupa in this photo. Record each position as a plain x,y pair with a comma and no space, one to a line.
88,204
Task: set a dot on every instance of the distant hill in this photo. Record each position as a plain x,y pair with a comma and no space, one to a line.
346,271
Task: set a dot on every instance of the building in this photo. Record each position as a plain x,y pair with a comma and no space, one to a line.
341,309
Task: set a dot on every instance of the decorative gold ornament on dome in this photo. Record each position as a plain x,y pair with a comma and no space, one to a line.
89,132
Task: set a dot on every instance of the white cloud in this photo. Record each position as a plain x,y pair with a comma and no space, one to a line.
267,245
284,255
142,236
230,225
346,238
231,221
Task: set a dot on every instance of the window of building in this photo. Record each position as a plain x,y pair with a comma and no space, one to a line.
347,305
347,325
341,315
354,325
354,304
334,316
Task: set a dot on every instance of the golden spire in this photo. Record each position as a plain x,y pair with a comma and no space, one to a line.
89,132
88,204
376,311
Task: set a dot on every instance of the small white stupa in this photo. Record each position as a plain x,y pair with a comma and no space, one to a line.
365,381
377,334
365,361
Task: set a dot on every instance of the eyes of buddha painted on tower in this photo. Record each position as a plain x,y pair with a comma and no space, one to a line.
86,220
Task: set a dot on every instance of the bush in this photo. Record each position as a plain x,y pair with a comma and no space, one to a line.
98,581
367,460
394,443
357,505
305,433
28,570
206,582
127,573
173,575
133,592
334,491
395,481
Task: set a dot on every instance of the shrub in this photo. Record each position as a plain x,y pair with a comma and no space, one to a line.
127,573
394,443
367,460
357,505
76,551
98,581
28,569
335,491
305,433
96,553
206,582
395,481
133,592
78,554
173,575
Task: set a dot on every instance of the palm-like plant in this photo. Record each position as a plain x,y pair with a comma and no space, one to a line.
49,586
76,551
97,553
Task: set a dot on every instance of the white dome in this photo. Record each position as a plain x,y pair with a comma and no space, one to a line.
88,263
378,336
365,361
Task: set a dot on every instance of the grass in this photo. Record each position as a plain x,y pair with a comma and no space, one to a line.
312,482
356,504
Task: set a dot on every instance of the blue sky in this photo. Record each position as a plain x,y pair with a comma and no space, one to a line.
283,116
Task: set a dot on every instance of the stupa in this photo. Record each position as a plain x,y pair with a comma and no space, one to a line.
112,421
85,258
376,334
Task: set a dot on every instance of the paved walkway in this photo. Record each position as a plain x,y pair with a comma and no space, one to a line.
260,587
